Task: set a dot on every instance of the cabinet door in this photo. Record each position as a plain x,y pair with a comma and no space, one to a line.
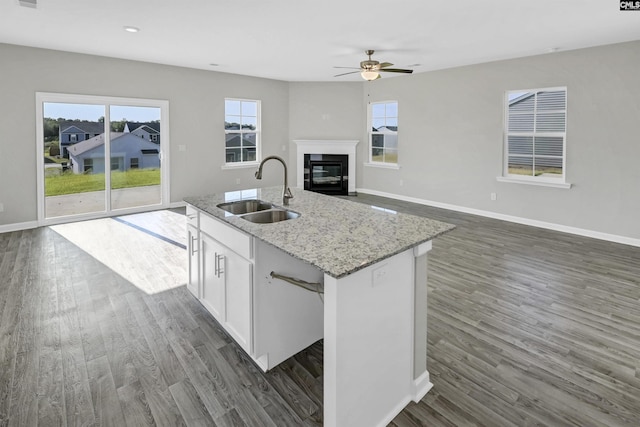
212,276
239,296
193,254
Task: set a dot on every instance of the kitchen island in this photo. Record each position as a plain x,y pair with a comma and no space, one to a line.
365,270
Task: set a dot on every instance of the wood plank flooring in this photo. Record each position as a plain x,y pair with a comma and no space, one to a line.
525,327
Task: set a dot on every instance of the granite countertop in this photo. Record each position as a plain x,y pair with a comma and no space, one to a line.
335,235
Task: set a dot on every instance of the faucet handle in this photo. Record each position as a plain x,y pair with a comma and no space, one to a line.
287,193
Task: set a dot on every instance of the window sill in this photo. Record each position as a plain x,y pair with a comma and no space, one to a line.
383,165
240,165
541,183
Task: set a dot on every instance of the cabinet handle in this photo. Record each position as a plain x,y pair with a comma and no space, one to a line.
194,249
220,258
215,265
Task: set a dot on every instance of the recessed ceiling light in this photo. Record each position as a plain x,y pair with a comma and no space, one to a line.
131,29
214,65
553,49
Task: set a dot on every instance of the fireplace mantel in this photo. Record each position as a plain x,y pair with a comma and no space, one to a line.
326,146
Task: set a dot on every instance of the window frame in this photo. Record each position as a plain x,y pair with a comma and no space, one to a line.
241,132
559,181
371,133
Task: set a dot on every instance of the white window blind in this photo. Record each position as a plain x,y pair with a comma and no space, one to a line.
536,133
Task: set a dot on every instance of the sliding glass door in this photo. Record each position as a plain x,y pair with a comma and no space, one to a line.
135,163
100,156
73,187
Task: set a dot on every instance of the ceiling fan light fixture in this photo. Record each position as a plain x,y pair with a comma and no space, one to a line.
369,75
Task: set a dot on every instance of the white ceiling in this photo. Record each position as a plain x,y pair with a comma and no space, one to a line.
302,40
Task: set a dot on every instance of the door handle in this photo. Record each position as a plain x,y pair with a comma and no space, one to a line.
220,259
193,245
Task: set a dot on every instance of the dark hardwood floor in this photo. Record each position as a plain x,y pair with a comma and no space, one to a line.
525,327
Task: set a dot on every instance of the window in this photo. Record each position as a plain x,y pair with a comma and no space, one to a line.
88,165
73,137
383,137
535,134
154,138
115,163
242,130
135,163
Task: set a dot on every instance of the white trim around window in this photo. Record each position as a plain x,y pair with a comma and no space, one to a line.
535,137
382,130
242,133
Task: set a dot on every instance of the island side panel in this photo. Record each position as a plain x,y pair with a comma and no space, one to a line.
368,343
422,383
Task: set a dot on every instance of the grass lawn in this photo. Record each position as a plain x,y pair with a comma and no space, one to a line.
386,158
70,183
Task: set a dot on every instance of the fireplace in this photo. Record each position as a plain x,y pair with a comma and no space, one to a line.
326,173
334,166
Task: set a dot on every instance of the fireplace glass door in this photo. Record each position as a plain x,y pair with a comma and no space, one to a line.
326,175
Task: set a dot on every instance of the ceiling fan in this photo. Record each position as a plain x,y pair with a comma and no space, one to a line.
370,69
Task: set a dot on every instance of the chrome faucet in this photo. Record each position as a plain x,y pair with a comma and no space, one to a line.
286,195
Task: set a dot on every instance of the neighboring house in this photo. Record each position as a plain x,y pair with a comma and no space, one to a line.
390,138
245,149
74,131
149,131
128,151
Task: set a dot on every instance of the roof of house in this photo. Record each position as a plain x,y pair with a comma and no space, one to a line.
88,144
117,138
86,127
155,126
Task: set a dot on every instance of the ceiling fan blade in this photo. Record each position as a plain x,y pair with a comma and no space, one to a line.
344,74
396,70
385,65
351,68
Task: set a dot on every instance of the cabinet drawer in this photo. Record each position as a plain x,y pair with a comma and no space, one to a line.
192,216
232,238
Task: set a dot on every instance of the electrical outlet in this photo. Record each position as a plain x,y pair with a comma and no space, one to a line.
284,148
494,196
182,147
1,207
237,180
401,183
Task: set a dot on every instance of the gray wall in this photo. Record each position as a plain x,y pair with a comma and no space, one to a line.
196,103
451,145
450,129
326,111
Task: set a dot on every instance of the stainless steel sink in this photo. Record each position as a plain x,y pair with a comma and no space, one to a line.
245,206
270,216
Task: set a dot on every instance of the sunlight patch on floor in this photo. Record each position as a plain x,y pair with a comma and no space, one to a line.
147,262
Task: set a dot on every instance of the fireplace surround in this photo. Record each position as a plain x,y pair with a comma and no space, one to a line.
329,157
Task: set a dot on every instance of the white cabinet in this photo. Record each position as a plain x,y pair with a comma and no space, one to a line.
212,273
238,298
226,276
193,251
229,272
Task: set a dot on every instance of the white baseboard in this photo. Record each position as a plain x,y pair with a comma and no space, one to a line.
510,218
421,387
7,228
394,412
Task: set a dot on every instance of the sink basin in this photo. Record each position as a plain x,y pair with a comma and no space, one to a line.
270,216
245,206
